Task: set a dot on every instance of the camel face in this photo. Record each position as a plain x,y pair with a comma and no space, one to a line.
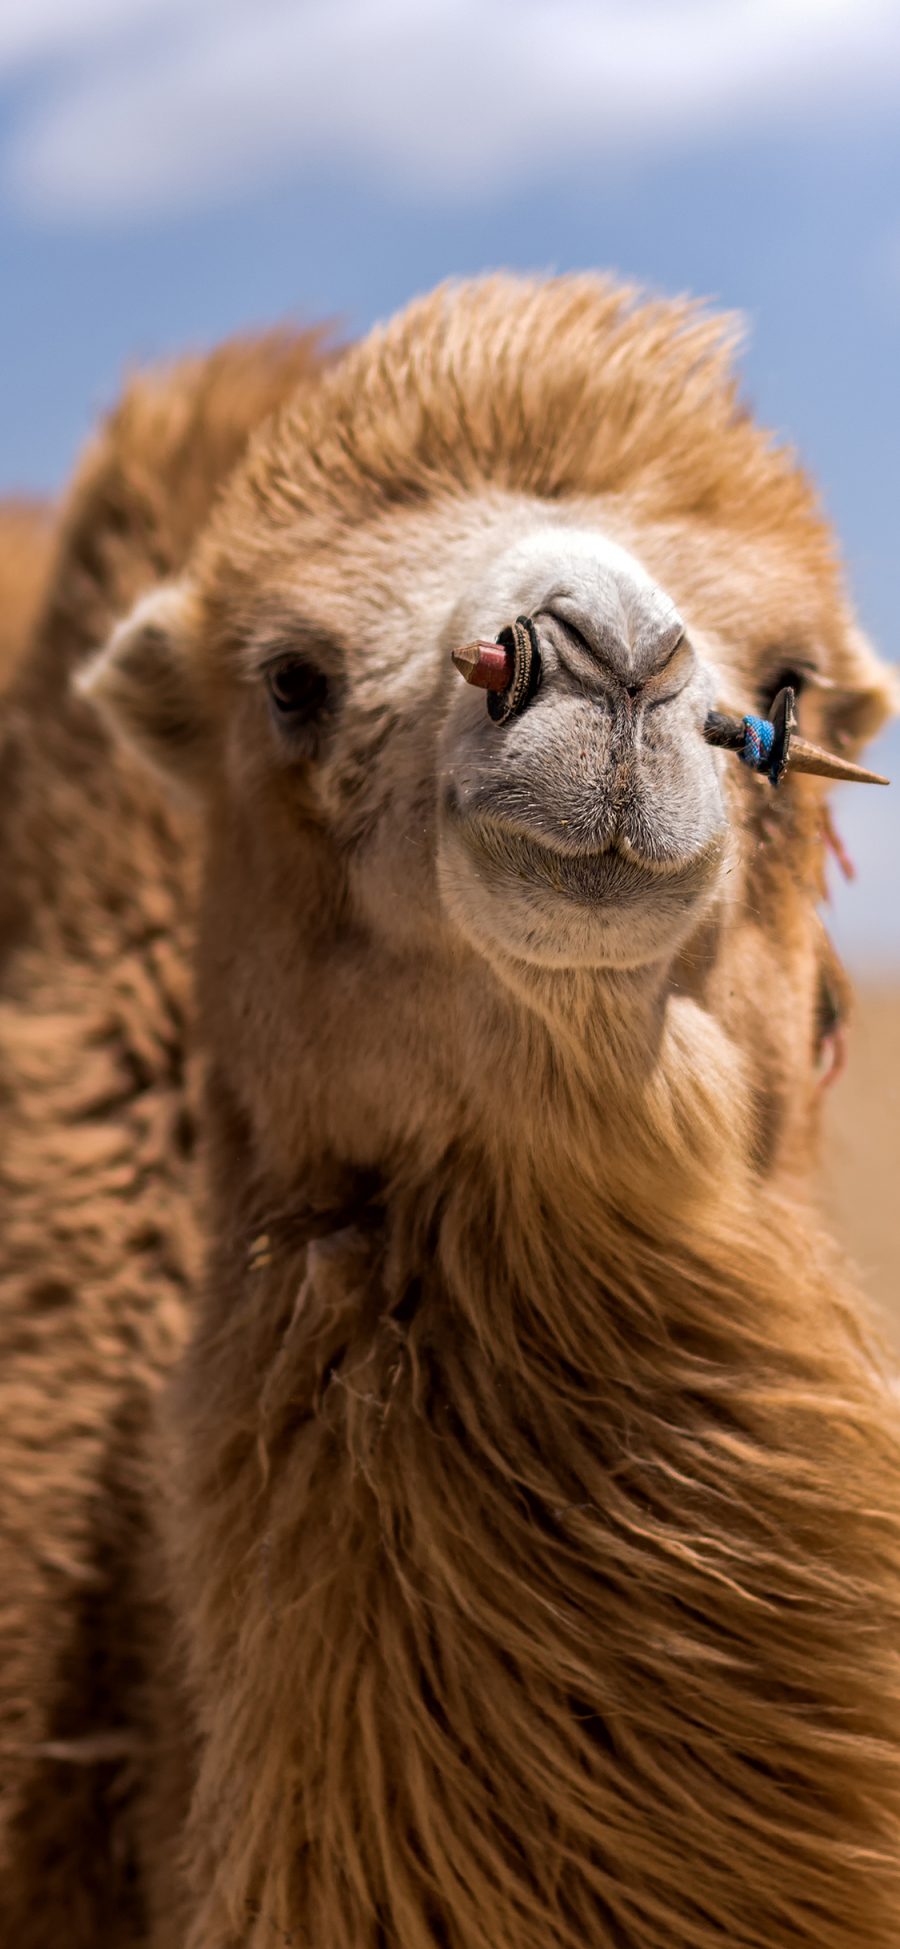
588,831
590,828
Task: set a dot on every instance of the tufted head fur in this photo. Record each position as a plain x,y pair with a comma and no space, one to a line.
535,1499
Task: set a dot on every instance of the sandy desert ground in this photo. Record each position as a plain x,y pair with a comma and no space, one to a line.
861,1166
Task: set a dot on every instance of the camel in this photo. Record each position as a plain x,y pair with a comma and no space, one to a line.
458,1501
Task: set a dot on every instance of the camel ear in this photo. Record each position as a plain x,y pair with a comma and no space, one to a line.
871,698
144,683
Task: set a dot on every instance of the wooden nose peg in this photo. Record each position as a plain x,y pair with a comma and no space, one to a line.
771,746
485,665
509,670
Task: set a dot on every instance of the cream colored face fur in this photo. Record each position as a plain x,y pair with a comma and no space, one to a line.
588,831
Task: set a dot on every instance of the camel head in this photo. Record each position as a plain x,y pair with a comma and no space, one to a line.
396,882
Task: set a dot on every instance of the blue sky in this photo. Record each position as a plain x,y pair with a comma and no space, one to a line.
173,170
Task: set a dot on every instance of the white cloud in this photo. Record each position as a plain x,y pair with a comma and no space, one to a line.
150,105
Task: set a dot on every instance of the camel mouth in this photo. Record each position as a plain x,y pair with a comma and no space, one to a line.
561,904
575,872
586,875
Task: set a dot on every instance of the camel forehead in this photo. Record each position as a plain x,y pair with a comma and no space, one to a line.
568,559
479,553
395,594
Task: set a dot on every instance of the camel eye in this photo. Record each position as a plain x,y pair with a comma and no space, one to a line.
790,678
296,689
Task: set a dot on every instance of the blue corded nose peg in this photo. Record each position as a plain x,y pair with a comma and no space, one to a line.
772,747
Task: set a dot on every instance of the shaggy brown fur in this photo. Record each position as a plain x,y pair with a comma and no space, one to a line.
529,1497
95,1158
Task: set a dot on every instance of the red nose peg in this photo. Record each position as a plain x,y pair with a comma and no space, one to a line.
509,670
487,665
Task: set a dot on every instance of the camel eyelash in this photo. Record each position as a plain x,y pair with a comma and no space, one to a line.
798,677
